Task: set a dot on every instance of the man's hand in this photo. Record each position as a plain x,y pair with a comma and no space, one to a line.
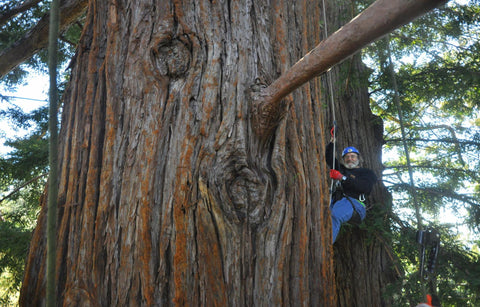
332,139
334,174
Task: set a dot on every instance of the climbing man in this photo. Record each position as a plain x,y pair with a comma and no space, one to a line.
353,184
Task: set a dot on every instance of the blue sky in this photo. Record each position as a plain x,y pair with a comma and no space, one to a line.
32,95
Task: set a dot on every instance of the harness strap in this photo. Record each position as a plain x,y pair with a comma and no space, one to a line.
338,194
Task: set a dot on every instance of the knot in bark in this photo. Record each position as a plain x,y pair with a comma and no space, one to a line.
241,189
172,57
266,113
247,192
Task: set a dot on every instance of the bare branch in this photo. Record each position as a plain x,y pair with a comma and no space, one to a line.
17,189
445,140
20,8
377,20
439,192
470,173
453,135
37,38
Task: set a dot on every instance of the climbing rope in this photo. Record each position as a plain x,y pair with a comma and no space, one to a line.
329,79
332,101
404,139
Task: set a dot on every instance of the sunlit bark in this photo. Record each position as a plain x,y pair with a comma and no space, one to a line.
168,193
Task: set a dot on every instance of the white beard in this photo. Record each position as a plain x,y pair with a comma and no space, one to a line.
352,165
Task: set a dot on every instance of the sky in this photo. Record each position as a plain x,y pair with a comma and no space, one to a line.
30,96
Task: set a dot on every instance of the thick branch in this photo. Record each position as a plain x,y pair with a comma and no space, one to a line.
37,38
20,8
21,187
377,20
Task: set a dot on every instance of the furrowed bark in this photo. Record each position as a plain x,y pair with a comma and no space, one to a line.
164,198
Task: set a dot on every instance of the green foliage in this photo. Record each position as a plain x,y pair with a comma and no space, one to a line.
457,271
22,168
29,156
436,63
15,233
22,182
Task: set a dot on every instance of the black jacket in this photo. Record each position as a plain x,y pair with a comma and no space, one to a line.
359,180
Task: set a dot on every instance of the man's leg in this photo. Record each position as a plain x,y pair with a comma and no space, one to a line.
341,212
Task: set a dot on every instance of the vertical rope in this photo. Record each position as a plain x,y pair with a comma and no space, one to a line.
418,214
404,141
332,101
329,75
53,155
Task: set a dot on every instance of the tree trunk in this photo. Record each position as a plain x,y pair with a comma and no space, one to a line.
166,196
364,262
169,192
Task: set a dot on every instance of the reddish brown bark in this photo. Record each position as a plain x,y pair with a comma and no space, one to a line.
166,196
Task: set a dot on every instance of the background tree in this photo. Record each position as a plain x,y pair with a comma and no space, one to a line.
22,183
436,70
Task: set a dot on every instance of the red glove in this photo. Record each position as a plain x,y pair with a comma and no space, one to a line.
334,174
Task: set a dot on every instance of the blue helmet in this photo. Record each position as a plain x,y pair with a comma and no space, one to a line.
350,149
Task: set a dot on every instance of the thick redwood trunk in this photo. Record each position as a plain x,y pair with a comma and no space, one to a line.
364,262
166,195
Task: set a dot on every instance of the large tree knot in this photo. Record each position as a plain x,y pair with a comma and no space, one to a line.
171,57
248,192
241,190
266,113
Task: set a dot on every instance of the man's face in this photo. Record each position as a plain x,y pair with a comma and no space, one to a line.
351,160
